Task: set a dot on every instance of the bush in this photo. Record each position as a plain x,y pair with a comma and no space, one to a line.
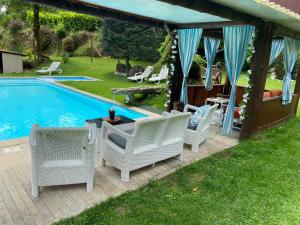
28,63
48,40
65,57
68,44
15,26
67,21
80,38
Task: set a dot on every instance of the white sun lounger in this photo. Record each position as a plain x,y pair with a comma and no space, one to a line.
141,76
163,75
53,68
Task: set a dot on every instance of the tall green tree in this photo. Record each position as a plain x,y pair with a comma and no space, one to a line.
131,41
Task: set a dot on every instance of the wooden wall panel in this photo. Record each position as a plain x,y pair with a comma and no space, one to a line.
273,112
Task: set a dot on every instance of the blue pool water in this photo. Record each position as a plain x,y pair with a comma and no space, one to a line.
27,101
69,78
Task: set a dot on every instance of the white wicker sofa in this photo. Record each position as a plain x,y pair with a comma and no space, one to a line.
62,156
196,135
150,141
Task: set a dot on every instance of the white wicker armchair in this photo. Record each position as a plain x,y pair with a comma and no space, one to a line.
150,141
62,156
197,135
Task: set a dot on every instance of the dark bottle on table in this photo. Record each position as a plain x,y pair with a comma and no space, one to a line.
112,114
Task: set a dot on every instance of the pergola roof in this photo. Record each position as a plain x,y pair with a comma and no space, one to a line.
157,10
196,13
274,11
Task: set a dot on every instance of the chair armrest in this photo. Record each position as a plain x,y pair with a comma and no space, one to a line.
93,136
32,139
175,112
138,73
45,68
187,107
108,127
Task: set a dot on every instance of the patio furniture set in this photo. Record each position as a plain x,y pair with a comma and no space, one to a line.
62,156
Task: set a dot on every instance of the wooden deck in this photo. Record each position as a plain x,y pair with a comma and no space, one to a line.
54,203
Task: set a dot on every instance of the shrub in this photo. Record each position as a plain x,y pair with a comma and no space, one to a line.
15,26
70,21
28,63
68,44
48,40
80,38
65,57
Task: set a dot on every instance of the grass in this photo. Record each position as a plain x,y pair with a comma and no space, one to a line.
102,69
256,182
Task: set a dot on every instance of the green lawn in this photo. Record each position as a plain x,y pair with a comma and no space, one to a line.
256,182
101,68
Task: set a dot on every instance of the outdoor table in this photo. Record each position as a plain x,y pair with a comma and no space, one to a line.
219,113
124,124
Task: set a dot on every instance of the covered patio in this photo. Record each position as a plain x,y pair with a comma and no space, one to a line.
262,23
183,19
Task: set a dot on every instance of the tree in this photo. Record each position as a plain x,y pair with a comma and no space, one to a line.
131,41
36,32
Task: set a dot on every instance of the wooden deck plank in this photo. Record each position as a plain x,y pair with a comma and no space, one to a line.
5,217
18,207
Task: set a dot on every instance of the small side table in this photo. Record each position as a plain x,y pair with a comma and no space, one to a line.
125,123
219,113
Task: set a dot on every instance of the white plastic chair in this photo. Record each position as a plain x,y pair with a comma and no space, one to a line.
163,75
141,76
151,140
197,135
62,156
54,67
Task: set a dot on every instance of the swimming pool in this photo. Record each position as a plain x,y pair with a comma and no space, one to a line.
28,101
68,78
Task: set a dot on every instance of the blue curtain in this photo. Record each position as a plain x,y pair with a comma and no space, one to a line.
277,46
290,53
211,46
236,41
188,42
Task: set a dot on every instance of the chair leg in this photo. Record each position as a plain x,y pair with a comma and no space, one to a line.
35,190
124,175
90,185
195,148
180,157
103,164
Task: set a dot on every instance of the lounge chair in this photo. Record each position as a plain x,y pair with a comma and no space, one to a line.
141,76
62,156
196,135
53,68
150,141
163,75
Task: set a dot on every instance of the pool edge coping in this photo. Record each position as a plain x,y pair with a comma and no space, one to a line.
24,140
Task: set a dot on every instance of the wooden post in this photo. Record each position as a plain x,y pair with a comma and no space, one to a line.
259,68
92,47
176,83
297,87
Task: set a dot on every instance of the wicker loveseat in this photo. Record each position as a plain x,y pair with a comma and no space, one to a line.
150,141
